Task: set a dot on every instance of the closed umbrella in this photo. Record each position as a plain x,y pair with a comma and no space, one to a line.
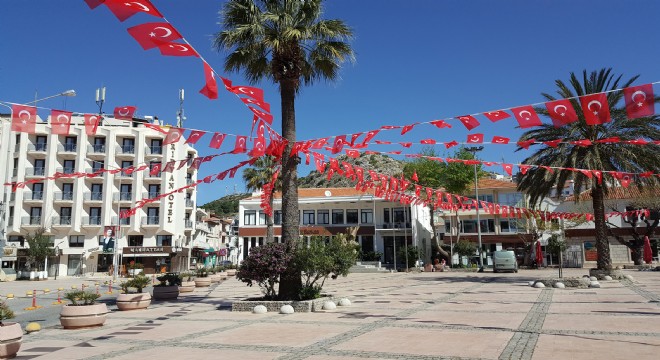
648,253
539,254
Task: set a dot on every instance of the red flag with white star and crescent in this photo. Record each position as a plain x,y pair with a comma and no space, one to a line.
640,101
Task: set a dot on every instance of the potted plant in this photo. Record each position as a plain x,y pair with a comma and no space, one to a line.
83,311
134,300
168,288
220,270
231,270
202,279
213,274
187,282
135,268
11,333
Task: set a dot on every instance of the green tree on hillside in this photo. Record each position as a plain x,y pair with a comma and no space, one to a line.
617,157
288,43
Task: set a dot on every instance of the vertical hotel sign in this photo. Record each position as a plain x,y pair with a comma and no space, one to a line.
170,187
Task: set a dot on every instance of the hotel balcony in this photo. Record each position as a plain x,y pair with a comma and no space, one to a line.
37,150
93,197
33,197
61,221
96,151
66,197
119,221
125,151
35,172
67,151
126,197
32,221
91,221
153,151
151,221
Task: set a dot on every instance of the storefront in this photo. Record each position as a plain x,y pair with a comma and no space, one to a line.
153,259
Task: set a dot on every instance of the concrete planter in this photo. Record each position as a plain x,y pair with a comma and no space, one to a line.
11,337
133,301
166,292
223,275
215,278
203,282
187,286
231,272
83,316
275,306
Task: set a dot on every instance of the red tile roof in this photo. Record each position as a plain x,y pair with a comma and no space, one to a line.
486,183
619,192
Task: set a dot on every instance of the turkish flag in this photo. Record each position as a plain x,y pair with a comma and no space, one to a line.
263,115
60,122
469,121
587,173
526,116
340,141
508,168
352,153
210,89
561,112
196,163
253,92
500,140
440,124
609,140
124,112
94,3
451,144
124,9
585,142
155,127
169,167
370,135
194,136
259,147
408,128
23,118
599,175
427,141
406,144
155,168
475,138
524,168
414,177
320,143
595,108
173,135
92,123
382,142
262,104
639,101
319,162
227,83
390,127
359,173
150,35
240,146
496,116
177,49
526,143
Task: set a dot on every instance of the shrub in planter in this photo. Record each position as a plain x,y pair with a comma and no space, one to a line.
11,333
264,266
168,288
83,311
134,300
202,279
187,282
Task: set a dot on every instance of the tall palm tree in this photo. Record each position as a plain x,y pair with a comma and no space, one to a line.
287,42
258,175
620,157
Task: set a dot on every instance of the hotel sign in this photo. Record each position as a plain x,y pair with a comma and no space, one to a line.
9,254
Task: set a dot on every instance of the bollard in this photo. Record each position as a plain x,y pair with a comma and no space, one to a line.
97,289
110,287
59,296
34,299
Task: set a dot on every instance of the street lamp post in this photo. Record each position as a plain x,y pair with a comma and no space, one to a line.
473,150
63,93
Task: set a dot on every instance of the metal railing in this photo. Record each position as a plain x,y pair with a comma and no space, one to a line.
124,221
150,194
66,170
62,220
41,147
96,149
188,224
35,171
154,150
190,203
91,220
63,196
151,220
126,149
93,196
31,220
67,148
123,196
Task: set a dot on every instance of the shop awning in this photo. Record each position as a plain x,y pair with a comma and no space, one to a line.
209,250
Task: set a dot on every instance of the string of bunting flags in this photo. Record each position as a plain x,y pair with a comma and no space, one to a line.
393,189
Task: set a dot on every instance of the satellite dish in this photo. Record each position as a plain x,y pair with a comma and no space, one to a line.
328,193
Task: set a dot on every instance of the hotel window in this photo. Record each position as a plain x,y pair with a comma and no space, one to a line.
97,192
133,240
97,165
156,146
250,217
277,217
308,217
262,218
95,216
69,166
38,191
40,143
154,190
126,220
65,216
128,146
99,144
323,217
163,240
351,216
70,143
153,216
39,167
399,215
76,240
367,216
507,226
125,192
67,191
337,216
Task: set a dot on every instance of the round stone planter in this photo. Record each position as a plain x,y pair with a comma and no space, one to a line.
11,336
76,317
133,301
231,272
203,282
215,278
187,286
133,272
166,292
223,275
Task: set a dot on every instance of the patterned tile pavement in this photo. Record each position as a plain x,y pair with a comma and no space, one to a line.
449,315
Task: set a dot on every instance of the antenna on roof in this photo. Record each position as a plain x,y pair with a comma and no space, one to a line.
180,117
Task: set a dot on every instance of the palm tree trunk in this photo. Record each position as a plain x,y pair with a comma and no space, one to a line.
291,282
270,231
434,241
602,243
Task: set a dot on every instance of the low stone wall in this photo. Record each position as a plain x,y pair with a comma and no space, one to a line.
274,306
580,283
600,274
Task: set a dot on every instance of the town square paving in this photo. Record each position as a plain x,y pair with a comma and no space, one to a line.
438,315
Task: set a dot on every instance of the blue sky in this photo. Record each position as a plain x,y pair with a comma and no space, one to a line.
416,61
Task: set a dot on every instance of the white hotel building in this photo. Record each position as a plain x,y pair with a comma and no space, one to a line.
75,212
384,227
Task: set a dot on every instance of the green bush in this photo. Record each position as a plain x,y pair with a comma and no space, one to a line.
371,256
169,279
81,298
310,292
5,312
412,255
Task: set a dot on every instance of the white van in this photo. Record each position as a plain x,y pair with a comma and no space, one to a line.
504,260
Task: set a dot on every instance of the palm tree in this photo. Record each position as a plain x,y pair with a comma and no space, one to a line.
619,157
287,42
260,174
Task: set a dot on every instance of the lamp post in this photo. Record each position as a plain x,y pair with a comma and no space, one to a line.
57,252
67,93
474,150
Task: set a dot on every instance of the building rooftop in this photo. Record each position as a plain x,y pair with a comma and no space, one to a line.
619,192
486,183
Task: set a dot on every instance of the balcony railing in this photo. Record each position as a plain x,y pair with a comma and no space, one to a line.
395,225
189,203
93,196
35,171
63,196
124,174
126,149
68,148
66,170
151,220
41,147
189,181
62,220
154,150
96,149
150,194
123,196
31,220
188,224
149,175
124,221
91,220
35,195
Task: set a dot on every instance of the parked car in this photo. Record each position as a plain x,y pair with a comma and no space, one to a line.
504,260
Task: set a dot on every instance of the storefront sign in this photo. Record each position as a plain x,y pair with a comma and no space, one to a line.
147,249
9,254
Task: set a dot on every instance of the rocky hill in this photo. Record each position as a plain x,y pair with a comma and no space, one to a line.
377,162
226,205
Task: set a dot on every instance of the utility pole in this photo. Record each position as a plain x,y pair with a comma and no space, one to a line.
474,150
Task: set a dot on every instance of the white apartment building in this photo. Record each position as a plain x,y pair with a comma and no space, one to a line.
77,212
384,227
211,243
